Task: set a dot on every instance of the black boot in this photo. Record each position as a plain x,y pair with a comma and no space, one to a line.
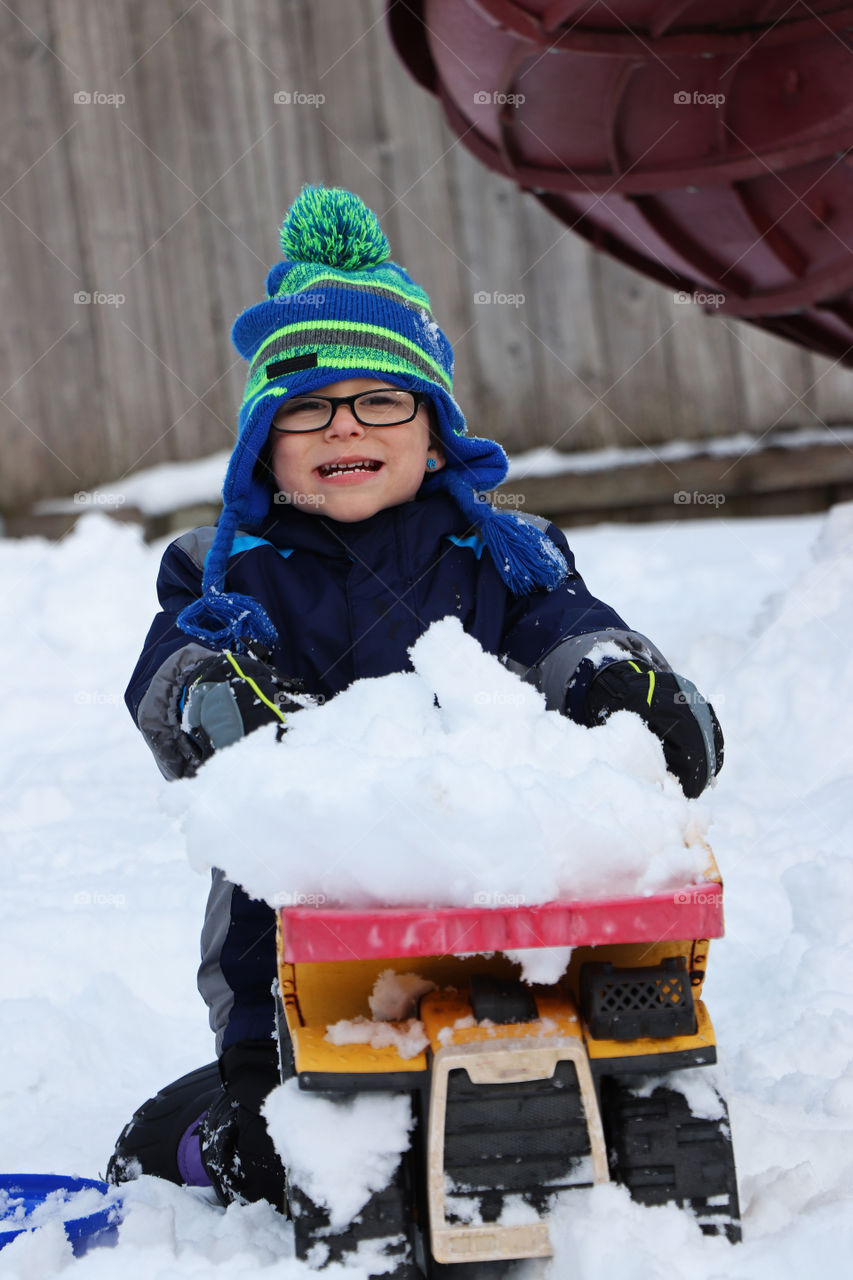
163,1138
236,1148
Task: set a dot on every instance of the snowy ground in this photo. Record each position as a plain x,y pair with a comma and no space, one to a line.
100,907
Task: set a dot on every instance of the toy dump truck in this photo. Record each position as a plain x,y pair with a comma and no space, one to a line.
523,1092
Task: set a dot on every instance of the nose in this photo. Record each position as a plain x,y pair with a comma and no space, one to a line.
344,423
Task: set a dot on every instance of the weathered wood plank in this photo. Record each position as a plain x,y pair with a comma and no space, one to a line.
774,377
562,329
47,338
634,323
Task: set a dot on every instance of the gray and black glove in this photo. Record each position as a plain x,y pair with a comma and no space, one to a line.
230,695
673,708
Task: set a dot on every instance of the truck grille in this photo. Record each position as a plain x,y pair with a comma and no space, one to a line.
526,1138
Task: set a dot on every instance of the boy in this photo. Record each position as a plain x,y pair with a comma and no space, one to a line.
352,520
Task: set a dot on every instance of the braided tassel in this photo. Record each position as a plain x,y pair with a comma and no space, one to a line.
524,555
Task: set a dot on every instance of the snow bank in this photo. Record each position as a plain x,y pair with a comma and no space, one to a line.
100,911
382,797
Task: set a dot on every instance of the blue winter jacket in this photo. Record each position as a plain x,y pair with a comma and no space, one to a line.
348,601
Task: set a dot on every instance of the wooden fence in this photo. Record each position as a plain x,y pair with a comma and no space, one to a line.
149,153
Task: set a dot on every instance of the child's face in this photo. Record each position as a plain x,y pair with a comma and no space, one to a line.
300,461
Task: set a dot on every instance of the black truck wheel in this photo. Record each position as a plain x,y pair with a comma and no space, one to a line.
387,1214
662,1152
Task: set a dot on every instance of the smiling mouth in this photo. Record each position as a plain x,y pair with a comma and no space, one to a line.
342,468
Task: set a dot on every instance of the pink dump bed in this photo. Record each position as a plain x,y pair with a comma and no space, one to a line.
338,933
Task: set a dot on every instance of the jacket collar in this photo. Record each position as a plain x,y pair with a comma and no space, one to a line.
425,519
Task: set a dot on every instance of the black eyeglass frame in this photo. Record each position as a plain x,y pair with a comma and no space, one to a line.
333,402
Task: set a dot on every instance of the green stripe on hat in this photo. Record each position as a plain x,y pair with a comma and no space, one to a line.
305,277
312,335
315,288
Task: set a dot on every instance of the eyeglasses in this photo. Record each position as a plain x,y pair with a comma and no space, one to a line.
384,407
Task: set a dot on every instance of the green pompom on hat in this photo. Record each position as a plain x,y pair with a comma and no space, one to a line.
341,233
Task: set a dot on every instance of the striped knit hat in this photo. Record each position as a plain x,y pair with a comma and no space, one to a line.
337,308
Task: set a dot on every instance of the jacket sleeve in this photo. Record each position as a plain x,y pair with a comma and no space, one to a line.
154,692
558,640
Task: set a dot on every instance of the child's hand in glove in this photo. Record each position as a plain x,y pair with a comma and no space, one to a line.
229,695
673,708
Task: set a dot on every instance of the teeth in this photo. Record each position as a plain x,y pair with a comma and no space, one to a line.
333,468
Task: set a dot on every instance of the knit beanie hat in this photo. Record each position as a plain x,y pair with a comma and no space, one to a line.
337,308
